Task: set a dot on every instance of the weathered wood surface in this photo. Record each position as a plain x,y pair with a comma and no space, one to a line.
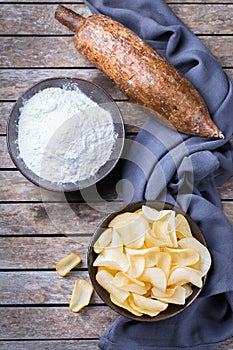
18,188
40,252
15,82
71,345
53,322
34,311
46,51
204,18
39,287
33,219
52,345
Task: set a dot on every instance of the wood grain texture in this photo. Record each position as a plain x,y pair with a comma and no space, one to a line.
53,218
5,108
34,19
34,46
51,345
18,188
74,345
59,323
49,218
40,252
5,160
15,82
60,51
204,18
40,287
54,322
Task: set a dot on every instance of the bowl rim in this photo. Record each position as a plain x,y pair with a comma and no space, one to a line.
104,295
12,143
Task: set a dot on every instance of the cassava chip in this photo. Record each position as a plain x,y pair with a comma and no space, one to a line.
127,283
185,256
125,305
147,306
183,274
155,276
132,229
113,258
182,226
103,241
175,296
81,295
149,254
66,264
105,279
188,289
117,241
164,262
151,241
149,213
172,229
204,262
136,265
160,231
121,279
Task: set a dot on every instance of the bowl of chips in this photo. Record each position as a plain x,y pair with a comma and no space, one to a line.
148,261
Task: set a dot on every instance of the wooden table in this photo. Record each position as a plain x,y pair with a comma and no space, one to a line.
34,299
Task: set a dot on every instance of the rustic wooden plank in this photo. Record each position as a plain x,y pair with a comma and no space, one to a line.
59,323
228,210
206,18
34,19
48,218
50,345
5,108
60,51
41,52
40,252
18,188
52,218
40,287
221,47
14,82
54,322
39,18
226,190
5,160
74,345
23,189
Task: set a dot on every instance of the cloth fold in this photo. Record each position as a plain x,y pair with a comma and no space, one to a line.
184,170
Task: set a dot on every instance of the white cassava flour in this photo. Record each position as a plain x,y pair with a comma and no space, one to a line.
63,136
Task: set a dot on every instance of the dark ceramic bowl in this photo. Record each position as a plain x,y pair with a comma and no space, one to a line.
172,309
95,93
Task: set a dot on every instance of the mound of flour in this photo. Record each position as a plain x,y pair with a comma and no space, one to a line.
63,136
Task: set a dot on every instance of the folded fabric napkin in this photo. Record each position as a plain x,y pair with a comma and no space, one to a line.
183,170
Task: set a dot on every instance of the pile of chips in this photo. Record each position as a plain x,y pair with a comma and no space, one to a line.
148,259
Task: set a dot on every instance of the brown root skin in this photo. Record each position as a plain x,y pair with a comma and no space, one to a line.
140,72
69,18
